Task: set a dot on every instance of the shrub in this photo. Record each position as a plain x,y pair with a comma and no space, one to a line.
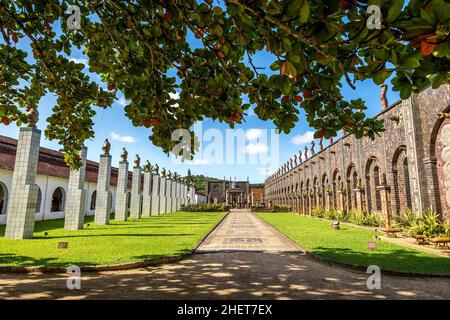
356,217
318,212
429,224
205,207
276,208
405,219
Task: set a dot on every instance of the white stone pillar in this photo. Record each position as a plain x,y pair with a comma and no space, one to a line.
169,193
76,200
175,193
162,193
103,200
122,188
136,196
154,211
24,191
147,191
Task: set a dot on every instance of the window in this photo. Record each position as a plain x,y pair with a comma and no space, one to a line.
58,199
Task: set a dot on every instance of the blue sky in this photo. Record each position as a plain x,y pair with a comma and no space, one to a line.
112,123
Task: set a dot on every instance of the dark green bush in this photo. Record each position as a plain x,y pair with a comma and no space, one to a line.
205,207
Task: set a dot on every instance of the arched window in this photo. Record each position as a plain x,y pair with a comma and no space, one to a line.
402,189
39,200
3,198
58,199
93,200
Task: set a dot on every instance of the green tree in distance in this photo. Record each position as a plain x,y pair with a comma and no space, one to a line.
140,47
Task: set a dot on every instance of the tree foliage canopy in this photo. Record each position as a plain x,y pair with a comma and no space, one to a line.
141,48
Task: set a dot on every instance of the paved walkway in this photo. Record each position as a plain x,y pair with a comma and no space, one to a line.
243,231
233,271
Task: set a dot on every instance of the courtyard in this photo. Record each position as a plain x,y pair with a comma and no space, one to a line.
222,268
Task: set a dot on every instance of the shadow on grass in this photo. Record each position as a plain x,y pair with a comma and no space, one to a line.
115,235
397,260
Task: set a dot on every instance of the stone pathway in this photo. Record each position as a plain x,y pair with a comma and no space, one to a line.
243,231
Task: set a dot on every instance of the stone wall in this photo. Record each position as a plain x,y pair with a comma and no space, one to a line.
406,167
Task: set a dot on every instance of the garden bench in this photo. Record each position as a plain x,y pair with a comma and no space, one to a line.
441,242
391,232
420,238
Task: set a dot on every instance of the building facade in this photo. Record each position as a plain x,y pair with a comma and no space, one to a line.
52,180
406,167
236,194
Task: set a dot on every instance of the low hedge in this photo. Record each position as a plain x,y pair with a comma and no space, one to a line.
205,207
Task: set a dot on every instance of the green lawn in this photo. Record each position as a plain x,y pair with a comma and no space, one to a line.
349,245
118,242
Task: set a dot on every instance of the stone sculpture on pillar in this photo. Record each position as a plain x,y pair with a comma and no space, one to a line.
313,144
306,153
154,211
136,196
122,188
147,190
162,192
103,200
300,157
24,192
76,202
321,144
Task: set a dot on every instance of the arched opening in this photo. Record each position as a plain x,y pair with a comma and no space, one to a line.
402,188
93,200
325,195
373,176
3,198
336,180
58,199
376,176
39,200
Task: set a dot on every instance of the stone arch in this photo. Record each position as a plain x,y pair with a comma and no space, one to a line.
351,185
4,196
402,188
39,200
373,176
336,181
93,202
315,193
58,200
307,198
440,173
324,186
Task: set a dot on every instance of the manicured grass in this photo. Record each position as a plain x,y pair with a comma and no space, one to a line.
349,245
118,242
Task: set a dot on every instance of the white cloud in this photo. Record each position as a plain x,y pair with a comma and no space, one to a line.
77,60
126,139
175,96
256,148
304,138
253,134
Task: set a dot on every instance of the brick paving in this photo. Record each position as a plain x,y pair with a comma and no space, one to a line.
243,231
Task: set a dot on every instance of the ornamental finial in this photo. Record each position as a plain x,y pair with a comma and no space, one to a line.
106,146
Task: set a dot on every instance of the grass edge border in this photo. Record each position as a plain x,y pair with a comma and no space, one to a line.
113,267
359,267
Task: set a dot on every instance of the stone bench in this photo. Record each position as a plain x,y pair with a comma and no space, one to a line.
391,232
440,242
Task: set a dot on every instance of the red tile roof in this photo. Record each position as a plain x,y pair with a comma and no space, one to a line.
51,162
